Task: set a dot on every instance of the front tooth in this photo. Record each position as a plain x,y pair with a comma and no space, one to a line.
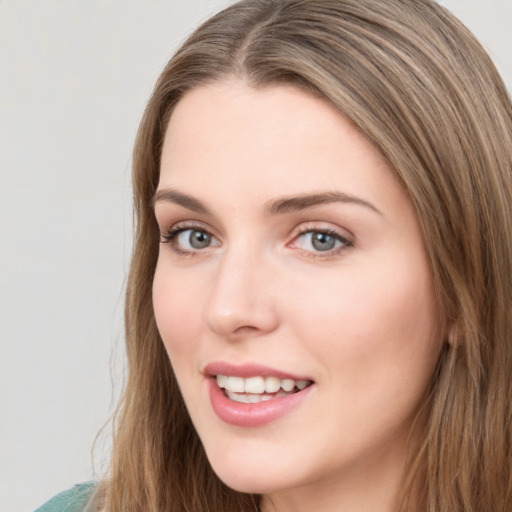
272,384
301,384
287,384
255,385
235,384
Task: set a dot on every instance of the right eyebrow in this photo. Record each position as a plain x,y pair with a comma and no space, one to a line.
170,195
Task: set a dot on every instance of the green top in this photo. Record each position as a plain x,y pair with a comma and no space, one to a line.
72,500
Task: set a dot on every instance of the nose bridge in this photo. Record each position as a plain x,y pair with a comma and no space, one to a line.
241,297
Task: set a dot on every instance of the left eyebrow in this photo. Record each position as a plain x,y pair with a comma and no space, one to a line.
302,202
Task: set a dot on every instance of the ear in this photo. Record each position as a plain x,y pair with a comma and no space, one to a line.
454,335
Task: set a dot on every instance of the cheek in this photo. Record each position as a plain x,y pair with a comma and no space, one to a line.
176,306
375,322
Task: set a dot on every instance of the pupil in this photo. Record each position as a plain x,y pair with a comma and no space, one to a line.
323,241
199,239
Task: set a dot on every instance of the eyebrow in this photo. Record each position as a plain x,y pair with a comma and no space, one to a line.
302,202
273,207
170,195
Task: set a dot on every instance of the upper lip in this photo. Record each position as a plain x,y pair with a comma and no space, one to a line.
247,370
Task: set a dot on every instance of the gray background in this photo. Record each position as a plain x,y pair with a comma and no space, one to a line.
74,78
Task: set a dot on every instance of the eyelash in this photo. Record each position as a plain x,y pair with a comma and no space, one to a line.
170,238
345,242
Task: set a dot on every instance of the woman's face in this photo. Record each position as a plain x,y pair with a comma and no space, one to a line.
292,292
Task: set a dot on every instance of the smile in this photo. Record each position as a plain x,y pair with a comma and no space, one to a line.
258,389
252,395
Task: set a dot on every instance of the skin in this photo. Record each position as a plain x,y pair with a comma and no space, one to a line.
360,320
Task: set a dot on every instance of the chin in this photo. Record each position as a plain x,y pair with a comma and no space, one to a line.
251,482
255,472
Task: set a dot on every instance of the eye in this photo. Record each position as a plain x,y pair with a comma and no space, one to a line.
188,240
321,241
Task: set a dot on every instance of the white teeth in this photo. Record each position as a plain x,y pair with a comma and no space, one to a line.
272,384
301,384
235,384
287,384
259,385
222,381
252,399
255,385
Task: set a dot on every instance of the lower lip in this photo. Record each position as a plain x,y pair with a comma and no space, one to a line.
241,414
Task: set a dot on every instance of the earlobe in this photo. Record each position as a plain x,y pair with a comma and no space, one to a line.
454,335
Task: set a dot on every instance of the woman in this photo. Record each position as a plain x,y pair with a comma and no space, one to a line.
318,306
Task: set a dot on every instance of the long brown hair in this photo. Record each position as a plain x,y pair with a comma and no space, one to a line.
421,88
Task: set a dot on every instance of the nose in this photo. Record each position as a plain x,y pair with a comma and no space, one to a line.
242,298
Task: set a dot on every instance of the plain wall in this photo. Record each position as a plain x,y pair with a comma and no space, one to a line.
74,78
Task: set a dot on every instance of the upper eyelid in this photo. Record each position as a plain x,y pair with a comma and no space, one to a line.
186,224
345,241
321,226
176,229
298,230
331,232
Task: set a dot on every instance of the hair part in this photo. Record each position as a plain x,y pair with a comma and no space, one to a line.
415,81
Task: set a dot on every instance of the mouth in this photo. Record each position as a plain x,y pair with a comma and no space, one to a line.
253,395
256,389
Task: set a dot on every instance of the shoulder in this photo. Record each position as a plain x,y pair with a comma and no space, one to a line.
72,500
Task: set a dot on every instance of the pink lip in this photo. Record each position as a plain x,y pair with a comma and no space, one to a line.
250,415
247,370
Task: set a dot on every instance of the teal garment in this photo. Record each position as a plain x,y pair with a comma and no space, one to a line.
72,500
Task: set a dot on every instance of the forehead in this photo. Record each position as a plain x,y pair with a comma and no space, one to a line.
276,140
